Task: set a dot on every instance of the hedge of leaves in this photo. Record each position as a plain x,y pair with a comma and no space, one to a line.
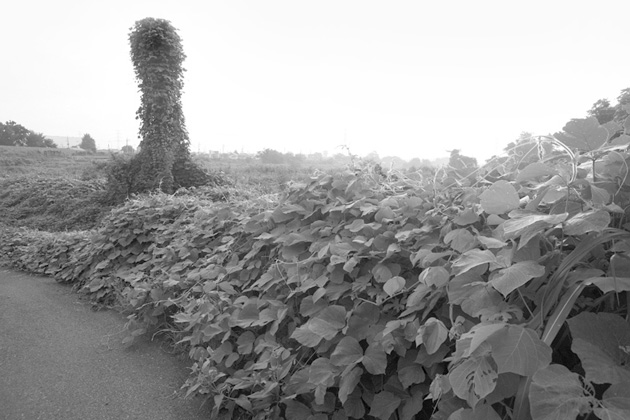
494,294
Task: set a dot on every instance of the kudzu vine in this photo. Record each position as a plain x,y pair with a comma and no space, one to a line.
164,160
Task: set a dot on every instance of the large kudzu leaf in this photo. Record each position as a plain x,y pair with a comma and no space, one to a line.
347,352
434,276
461,240
622,140
556,195
362,319
249,315
481,412
322,374
556,394
475,377
619,264
491,243
482,299
432,334
459,287
615,403
519,350
382,273
584,135
599,195
535,171
354,406
394,285
306,337
590,221
356,225
384,404
526,227
472,259
410,374
466,217
477,335
598,340
348,383
473,294
325,325
507,387
245,342
328,322
375,359
612,127
499,198
507,280
417,299
413,404
296,410
611,284
615,165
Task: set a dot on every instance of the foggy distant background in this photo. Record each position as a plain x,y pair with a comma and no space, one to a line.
405,78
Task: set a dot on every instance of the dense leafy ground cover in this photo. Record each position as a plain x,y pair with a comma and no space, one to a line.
492,293
51,204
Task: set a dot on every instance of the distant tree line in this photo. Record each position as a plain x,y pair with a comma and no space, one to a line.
273,157
14,134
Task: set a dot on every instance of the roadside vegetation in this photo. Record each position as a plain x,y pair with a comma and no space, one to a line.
477,292
494,291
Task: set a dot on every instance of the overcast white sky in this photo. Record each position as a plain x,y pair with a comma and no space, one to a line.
400,77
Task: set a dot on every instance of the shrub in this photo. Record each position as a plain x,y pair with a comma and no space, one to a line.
88,143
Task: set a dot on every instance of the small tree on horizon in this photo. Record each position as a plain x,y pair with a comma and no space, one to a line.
39,140
13,134
127,149
88,143
270,156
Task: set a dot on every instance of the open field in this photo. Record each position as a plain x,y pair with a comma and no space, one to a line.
47,162
251,174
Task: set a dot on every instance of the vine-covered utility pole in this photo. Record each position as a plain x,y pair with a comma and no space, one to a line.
164,160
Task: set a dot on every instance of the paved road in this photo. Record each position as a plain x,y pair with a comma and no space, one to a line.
59,360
